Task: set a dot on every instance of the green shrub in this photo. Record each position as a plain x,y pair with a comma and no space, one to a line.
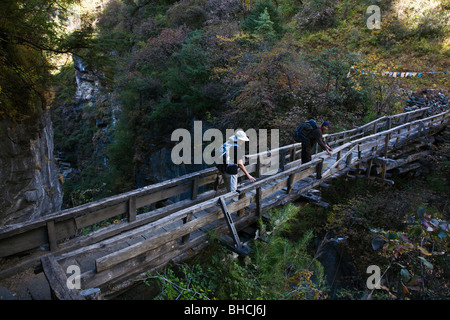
277,269
252,22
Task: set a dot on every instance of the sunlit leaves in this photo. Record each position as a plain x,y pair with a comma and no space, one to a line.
370,73
31,33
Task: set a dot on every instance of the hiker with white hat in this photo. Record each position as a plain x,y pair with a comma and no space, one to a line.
231,159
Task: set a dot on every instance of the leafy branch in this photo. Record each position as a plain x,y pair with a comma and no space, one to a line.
415,250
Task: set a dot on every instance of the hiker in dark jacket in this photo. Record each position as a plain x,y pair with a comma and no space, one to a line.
315,137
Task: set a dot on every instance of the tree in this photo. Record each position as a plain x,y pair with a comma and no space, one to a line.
187,85
267,85
253,21
30,34
316,14
370,74
333,67
264,26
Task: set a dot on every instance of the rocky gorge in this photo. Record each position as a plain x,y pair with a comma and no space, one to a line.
86,126
29,177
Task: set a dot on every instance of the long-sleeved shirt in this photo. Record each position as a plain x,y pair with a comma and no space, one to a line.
316,136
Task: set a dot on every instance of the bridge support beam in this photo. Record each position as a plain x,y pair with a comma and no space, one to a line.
57,280
237,246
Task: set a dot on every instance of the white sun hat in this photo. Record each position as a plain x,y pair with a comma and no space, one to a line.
239,135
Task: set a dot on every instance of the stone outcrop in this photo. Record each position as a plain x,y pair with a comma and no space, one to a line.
435,98
29,183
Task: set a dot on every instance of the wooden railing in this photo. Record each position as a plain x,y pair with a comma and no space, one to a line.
60,230
55,227
380,124
347,154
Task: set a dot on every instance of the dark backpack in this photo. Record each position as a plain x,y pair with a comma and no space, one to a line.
228,168
304,130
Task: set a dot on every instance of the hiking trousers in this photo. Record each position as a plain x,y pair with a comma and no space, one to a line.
306,152
231,181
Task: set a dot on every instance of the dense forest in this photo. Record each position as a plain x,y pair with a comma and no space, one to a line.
231,64
120,76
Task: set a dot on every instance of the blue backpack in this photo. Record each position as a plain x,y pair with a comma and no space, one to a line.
304,130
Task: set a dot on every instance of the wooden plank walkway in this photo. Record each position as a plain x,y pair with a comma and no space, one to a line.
111,256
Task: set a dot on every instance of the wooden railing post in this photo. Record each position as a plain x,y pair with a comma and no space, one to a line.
389,123
409,131
359,157
348,161
186,219
258,167
290,182
407,118
386,144
319,169
258,202
51,235
293,153
282,155
386,148
241,196
194,189
338,155
131,209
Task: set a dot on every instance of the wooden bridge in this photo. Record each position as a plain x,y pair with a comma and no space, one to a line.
145,237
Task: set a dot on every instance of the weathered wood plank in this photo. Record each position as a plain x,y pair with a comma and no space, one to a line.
6,231
96,239
57,280
154,260
280,185
337,163
209,179
147,228
51,235
162,195
110,260
407,168
237,246
194,188
305,173
106,262
132,209
100,215
65,229
23,241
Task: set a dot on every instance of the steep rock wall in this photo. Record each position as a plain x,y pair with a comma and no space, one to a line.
29,184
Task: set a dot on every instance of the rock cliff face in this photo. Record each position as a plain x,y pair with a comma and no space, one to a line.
29,184
88,122
84,125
